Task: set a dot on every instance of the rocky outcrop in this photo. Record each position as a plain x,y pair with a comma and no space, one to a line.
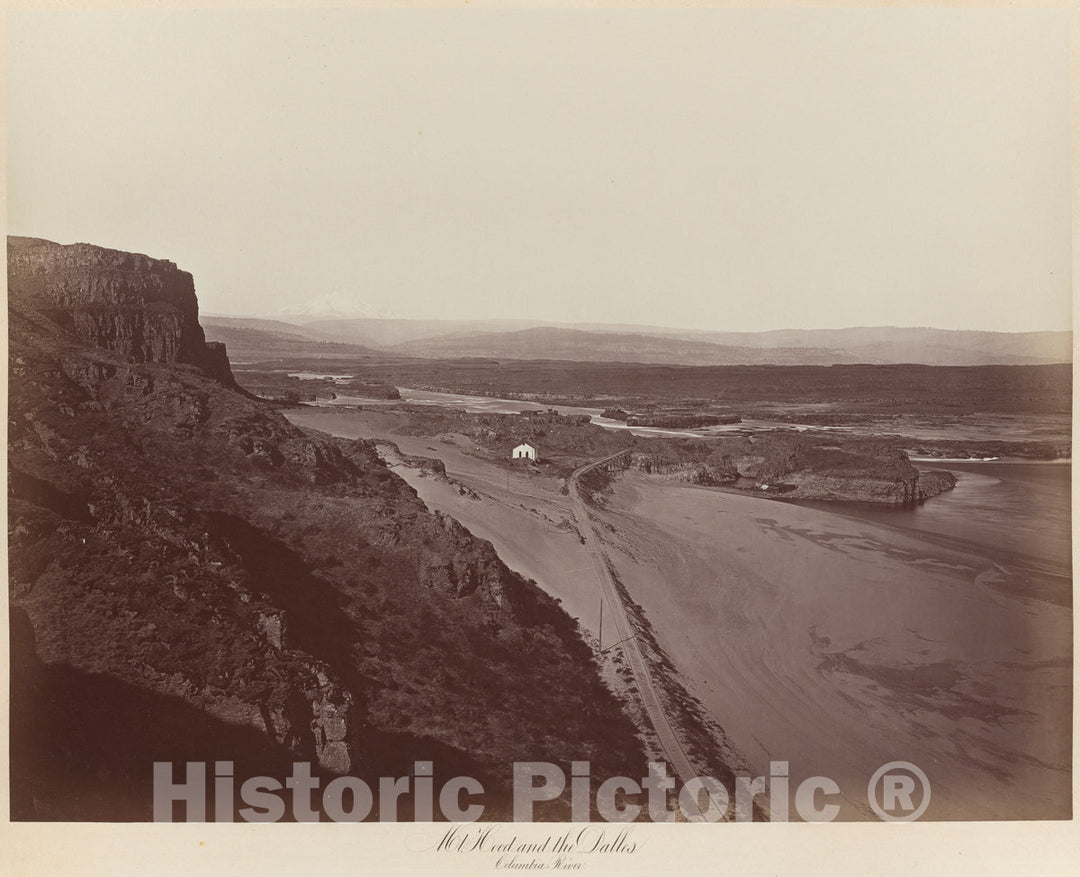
707,473
932,482
681,420
470,567
191,563
141,308
863,488
792,467
883,476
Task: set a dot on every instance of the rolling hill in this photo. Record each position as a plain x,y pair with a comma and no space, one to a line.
522,339
881,346
255,340
548,342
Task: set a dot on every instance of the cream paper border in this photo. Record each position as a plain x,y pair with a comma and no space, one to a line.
323,849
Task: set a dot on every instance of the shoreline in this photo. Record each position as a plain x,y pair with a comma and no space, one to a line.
749,425
1029,461
799,627
820,636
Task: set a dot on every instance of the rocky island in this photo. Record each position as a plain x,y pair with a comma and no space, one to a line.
794,467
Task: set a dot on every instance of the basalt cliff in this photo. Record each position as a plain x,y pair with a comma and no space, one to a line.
142,309
794,467
194,579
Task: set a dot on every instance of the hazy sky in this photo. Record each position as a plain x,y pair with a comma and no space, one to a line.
729,169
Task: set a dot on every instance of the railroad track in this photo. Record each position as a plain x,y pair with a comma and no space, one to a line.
669,741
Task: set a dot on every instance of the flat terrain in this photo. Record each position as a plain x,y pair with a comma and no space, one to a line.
952,390
839,645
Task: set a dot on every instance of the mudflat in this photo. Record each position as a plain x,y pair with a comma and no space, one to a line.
812,636
839,645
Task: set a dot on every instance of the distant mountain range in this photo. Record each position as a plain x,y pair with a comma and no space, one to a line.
334,306
253,340
249,338
548,342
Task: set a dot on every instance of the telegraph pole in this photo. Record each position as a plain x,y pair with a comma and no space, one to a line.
601,639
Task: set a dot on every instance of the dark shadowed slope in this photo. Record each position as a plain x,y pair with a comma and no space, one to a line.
252,592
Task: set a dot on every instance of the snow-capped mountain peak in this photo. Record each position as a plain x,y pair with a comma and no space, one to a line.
335,305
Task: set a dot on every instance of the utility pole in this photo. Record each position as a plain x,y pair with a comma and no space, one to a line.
601,640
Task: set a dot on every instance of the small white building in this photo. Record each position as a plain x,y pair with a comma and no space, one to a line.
524,452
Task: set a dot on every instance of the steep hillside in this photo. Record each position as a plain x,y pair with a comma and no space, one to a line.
193,578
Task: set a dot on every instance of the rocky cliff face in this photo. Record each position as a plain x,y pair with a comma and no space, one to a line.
706,473
200,580
931,482
907,490
792,467
142,309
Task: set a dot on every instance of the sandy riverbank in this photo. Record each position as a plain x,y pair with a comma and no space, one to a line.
526,516
834,643
839,645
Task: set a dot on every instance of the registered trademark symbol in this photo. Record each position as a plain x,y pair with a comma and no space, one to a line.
893,790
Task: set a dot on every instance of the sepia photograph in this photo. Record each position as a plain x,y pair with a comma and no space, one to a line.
538,425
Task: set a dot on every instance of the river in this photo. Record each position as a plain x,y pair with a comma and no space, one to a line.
495,405
765,416
1016,506
835,636
1018,509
